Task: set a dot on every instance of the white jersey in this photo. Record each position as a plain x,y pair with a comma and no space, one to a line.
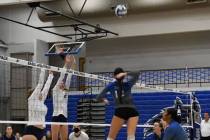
205,128
82,136
60,97
37,110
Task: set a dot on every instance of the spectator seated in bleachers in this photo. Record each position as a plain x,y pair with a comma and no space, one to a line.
8,134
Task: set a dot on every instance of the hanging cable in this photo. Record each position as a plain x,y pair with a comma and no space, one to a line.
67,1
80,12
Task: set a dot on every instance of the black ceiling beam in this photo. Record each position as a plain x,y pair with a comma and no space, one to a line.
69,25
35,27
56,26
61,26
86,30
89,38
67,1
29,17
80,12
84,34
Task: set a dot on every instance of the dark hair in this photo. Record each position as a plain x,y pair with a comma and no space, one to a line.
62,56
7,126
118,70
173,113
160,124
29,92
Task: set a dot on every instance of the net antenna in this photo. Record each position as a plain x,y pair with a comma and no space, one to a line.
67,48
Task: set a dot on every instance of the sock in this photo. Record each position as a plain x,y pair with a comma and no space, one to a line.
131,137
110,139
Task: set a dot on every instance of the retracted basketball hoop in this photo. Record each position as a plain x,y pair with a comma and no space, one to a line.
68,48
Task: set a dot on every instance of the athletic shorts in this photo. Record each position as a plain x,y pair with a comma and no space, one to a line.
125,113
59,118
35,131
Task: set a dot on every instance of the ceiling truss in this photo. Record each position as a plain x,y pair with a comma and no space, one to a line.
81,30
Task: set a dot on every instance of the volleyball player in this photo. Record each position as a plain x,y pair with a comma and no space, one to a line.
60,101
37,110
125,110
174,130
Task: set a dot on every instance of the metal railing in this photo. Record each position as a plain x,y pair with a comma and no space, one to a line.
177,77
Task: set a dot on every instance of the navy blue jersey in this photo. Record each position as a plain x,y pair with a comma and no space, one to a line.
121,93
174,132
6,138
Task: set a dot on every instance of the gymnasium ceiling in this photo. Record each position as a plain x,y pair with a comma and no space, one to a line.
97,8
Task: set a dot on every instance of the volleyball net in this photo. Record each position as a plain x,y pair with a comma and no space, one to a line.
19,76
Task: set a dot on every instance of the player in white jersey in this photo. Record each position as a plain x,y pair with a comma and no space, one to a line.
37,110
60,101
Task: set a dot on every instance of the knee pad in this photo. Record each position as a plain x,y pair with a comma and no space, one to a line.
131,137
109,139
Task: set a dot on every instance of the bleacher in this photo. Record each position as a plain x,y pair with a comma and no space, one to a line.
148,105
204,100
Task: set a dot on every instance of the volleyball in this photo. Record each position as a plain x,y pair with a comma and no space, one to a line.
121,10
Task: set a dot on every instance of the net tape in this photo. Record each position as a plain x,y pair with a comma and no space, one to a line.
81,124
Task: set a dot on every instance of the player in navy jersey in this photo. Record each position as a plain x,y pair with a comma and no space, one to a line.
125,110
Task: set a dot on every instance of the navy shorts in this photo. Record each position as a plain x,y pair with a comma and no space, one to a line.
59,118
125,113
37,132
